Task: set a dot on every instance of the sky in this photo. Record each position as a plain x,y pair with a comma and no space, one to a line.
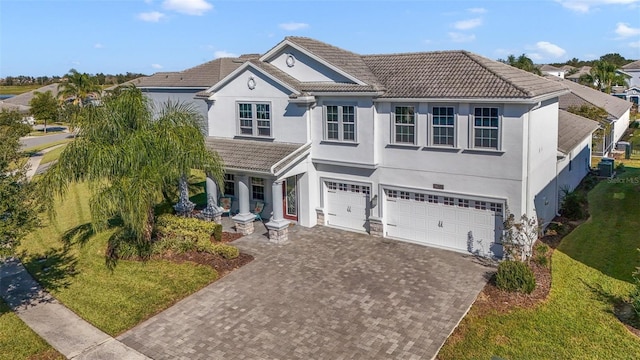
50,37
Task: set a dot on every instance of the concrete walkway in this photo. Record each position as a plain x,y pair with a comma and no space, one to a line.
60,327
34,161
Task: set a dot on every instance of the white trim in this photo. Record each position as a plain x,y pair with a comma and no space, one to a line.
415,124
347,93
430,126
241,69
532,100
345,163
292,154
286,42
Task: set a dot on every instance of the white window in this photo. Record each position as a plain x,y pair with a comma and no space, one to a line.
404,195
486,126
432,199
495,207
340,123
419,197
443,126
463,203
480,205
392,194
254,119
257,188
404,125
448,200
229,185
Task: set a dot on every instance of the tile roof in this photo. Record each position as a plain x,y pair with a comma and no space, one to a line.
203,75
572,130
24,98
14,107
632,66
581,71
253,155
547,67
581,95
454,74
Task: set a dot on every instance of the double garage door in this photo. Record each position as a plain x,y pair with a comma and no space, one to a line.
445,221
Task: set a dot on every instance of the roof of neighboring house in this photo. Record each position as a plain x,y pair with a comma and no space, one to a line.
581,95
254,155
12,107
567,67
632,66
547,67
203,75
455,74
24,98
572,130
581,71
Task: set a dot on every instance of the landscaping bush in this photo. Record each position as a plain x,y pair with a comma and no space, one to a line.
190,227
589,182
573,205
540,255
515,276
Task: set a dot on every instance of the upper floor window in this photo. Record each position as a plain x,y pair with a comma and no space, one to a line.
404,127
254,119
486,128
443,126
340,122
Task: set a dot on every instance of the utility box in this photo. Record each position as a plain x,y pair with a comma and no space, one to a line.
606,167
626,147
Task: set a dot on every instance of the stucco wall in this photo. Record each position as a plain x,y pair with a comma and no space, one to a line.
305,68
161,96
570,176
619,127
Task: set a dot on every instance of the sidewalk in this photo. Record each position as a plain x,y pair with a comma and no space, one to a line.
34,161
60,327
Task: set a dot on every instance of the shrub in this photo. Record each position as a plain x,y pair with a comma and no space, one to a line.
589,182
620,168
189,234
515,276
224,250
573,205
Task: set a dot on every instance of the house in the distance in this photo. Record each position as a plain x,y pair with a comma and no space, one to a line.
552,70
431,147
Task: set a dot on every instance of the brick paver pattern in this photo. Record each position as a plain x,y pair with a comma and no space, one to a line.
326,294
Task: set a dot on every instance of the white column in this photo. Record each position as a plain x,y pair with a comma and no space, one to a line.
212,192
276,196
243,194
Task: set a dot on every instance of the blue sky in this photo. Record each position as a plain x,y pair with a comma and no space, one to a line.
49,37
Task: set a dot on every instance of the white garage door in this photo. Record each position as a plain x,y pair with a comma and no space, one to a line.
444,221
346,205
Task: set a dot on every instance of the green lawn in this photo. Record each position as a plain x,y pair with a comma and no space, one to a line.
75,272
17,341
52,155
34,149
17,89
591,270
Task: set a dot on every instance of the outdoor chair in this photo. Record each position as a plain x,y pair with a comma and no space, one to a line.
225,203
257,210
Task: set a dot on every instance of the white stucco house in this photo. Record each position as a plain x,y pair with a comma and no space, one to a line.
430,148
552,70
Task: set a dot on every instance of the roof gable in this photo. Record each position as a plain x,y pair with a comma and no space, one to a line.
282,80
632,66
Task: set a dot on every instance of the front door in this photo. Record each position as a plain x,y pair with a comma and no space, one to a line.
290,198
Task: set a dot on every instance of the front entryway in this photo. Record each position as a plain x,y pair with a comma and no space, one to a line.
346,205
445,221
290,198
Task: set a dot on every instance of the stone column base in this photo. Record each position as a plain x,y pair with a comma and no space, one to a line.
212,213
320,216
244,223
375,227
278,231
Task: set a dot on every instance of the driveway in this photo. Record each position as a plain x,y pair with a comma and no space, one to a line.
327,294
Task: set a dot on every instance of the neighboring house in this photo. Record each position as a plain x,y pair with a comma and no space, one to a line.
552,70
575,77
403,146
617,109
632,70
22,101
182,86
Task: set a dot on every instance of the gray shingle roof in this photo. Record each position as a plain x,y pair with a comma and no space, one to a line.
547,67
572,130
203,75
253,155
454,74
24,98
581,95
581,71
632,66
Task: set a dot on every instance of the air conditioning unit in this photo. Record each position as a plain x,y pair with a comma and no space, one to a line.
605,167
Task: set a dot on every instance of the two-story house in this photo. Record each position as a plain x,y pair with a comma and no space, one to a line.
430,147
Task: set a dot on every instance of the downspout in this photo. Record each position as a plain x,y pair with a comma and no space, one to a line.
528,187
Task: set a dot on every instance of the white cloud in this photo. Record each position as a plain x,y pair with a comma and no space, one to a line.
467,24
292,26
477,10
189,7
153,16
584,6
460,37
550,49
98,46
635,44
624,30
156,66
223,53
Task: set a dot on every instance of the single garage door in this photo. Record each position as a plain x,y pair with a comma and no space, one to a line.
346,205
445,221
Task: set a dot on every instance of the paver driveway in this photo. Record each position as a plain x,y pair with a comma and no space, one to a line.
327,294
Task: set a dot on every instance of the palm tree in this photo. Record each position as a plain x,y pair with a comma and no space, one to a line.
603,76
522,62
128,158
76,91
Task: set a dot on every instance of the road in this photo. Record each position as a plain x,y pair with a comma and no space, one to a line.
30,141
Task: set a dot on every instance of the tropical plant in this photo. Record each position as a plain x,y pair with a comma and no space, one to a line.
44,107
18,200
128,157
522,62
76,91
603,76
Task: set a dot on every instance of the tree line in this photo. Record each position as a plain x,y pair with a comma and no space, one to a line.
100,78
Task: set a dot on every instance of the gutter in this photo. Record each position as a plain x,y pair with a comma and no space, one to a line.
299,152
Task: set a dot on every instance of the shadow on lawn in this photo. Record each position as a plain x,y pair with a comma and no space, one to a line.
54,268
621,308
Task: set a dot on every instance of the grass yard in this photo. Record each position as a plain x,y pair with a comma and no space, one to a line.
17,341
52,155
17,89
34,149
74,271
591,271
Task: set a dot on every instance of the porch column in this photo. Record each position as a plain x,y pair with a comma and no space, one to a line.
244,219
212,212
184,207
278,226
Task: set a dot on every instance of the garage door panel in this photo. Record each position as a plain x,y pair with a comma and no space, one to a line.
346,205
